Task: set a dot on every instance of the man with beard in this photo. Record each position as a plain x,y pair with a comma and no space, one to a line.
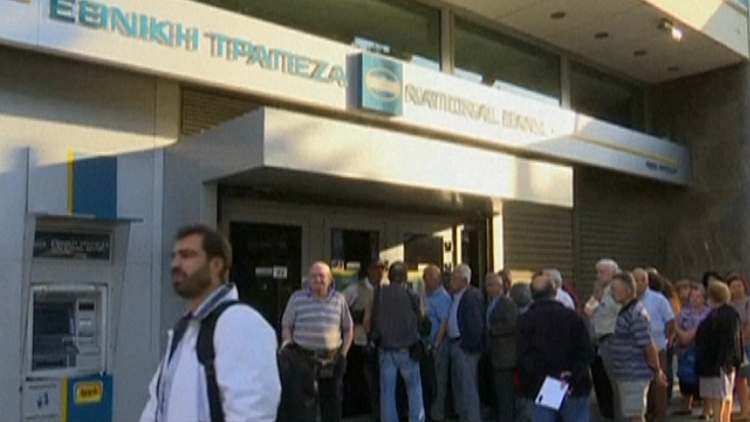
317,330
244,343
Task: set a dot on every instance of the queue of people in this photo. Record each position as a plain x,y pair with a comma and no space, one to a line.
620,342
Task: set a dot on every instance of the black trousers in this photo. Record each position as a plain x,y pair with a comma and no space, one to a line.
602,388
356,392
305,389
372,379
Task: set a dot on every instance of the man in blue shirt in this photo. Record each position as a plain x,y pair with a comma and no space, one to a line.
662,328
438,309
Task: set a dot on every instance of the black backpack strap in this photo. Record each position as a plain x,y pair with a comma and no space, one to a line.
207,354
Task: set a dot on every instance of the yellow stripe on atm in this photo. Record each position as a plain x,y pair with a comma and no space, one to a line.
64,407
88,392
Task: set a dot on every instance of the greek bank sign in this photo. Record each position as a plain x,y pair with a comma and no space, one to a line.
190,41
381,85
173,34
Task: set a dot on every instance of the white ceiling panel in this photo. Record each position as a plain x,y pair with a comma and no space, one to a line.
536,17
631,25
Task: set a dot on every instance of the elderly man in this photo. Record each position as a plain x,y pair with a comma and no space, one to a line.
465,332
501,329
317,331
552,341
662,328
602,311
438,309
634,355
560,294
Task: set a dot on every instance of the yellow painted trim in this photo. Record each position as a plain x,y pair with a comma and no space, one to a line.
64,405
611,145
71,160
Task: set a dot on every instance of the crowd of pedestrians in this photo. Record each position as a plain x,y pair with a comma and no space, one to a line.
457,350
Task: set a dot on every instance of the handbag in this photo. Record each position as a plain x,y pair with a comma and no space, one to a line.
686,366
417,351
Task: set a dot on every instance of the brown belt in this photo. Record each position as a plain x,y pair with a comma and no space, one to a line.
325,354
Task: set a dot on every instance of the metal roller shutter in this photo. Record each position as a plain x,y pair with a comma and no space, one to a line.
536,237
617,217
203,109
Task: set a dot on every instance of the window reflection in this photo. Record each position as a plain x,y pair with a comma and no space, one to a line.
407,31
605,97
484,56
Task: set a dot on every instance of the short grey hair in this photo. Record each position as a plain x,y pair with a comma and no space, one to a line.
554,276
608,263
493,278
464,271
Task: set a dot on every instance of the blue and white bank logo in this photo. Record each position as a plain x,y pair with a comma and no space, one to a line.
381,85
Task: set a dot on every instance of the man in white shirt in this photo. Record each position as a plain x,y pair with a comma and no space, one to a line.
244,343
361,360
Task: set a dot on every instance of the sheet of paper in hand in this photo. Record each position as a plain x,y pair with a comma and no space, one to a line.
552,393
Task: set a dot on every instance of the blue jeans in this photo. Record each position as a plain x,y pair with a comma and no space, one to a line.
573,409
391,364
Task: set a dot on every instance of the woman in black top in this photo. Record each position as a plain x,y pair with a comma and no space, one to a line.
720,351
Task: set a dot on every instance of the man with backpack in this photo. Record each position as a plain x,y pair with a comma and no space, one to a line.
396,314
220,362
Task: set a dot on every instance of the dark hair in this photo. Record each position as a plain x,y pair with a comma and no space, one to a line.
505,276
545,291
710,274
397,272
655,282
735,276
214,244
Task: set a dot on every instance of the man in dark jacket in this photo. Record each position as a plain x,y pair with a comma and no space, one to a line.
502,314
552,341
465,334
396,314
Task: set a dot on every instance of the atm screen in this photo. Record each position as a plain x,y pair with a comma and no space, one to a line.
53,319
54,335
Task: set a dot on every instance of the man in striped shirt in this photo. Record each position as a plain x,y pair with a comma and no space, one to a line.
634,355
317,332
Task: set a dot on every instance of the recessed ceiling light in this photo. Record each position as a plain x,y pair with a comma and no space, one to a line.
558,15
639,53
673,69
669,26
601,35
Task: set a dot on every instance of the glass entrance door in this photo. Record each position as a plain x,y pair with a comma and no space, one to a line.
352,250
267,266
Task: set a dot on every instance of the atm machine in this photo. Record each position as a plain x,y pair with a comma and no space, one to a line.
74,269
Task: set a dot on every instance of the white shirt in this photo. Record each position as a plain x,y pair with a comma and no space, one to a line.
564,298
453,330
246,371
